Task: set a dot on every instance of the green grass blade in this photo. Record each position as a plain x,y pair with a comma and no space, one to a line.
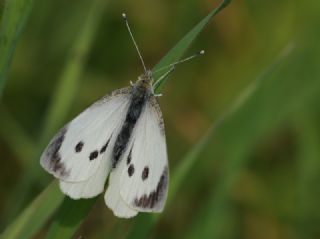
280,94
177,51
69,217
36,214
13,20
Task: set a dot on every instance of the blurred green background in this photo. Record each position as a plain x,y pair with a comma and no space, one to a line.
252,101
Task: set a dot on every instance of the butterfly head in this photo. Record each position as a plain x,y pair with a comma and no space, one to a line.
145,80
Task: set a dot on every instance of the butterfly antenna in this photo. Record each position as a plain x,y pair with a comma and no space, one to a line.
181,61
134,42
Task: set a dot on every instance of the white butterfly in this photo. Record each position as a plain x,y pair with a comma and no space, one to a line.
121,134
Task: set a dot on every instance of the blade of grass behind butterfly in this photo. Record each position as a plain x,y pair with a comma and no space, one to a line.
177,51
14,17
34,216
68,80
65,229
69,217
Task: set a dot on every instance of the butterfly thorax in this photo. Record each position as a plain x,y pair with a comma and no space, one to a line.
144,82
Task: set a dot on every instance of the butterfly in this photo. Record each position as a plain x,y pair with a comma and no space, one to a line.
122,136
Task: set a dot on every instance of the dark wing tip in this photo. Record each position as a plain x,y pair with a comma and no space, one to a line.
156,199
51,158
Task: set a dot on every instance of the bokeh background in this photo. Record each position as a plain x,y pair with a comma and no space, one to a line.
252,101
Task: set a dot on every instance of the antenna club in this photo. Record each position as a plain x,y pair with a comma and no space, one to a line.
201,52
124,16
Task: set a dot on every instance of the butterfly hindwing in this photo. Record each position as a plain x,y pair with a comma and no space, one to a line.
95,184
113,198
144,177
76,151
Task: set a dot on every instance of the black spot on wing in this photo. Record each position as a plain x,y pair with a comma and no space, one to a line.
155,197
130,170
53,157
145,173
104,147
79,147
93,155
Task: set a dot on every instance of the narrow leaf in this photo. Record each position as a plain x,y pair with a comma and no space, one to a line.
34,216
177,51
69,217
13,20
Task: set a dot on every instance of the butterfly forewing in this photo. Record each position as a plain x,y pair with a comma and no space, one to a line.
76,152
144,177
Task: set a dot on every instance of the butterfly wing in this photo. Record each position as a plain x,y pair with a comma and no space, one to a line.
142,174
113,198
91,187
77,150
95,184
144,180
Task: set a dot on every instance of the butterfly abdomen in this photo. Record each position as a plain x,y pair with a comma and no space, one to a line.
139,97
